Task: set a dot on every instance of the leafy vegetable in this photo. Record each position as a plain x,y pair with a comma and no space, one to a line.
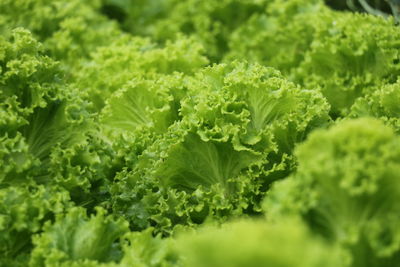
74,237
256,243
348,189
198,133
238,128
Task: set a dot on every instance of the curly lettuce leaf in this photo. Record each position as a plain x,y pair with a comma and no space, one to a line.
23,210
146,250
255,106
382,104
142,104
111,67
77,237
181,179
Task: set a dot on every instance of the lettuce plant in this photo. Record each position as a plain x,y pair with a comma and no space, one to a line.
348,190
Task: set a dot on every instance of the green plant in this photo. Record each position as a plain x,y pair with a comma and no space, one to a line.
198,133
